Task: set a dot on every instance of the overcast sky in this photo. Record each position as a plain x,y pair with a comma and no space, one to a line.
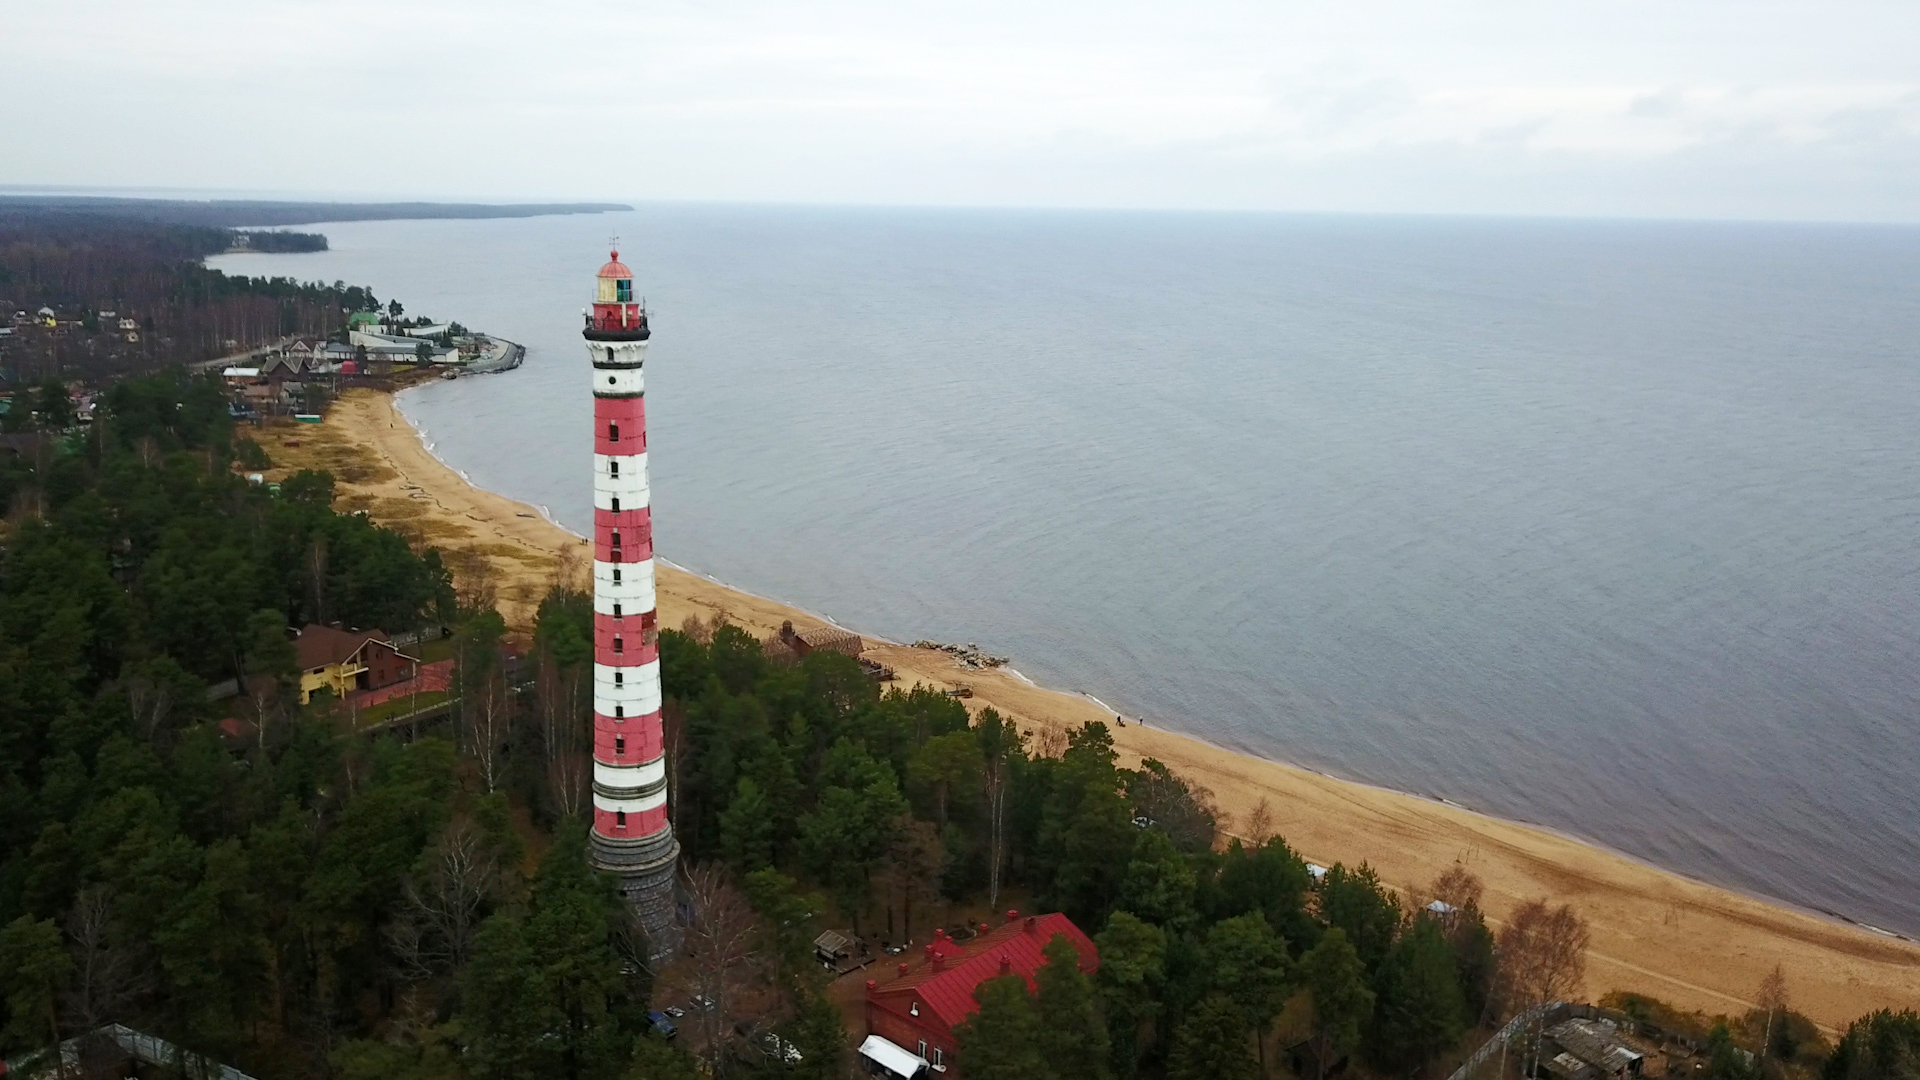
1697,108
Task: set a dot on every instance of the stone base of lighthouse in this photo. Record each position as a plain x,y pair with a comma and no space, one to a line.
645,867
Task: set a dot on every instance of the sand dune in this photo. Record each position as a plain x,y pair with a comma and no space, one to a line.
1697,946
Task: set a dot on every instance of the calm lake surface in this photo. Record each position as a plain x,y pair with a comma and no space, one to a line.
1607,526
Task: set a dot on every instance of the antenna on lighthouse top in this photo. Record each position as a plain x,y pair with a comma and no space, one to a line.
613,244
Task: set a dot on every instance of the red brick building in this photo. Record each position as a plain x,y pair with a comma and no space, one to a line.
912,1015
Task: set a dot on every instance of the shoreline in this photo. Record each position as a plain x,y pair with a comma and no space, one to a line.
1696,945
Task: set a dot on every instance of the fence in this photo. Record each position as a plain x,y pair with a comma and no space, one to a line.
1551,1012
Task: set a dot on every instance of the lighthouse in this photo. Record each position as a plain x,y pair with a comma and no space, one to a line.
631,835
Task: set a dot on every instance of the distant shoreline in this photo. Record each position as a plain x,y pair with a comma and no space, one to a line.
255,213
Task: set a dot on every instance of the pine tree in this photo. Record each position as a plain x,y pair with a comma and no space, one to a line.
1072,1036
1000,1042
1333,977
1212,1045
1133,972
1419,1010
1249,965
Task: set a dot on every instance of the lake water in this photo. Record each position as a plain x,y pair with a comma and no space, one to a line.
1608,526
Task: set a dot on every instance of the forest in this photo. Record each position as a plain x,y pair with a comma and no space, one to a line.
285,890
81,264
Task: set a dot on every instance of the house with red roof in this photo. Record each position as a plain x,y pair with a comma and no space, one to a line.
911,1017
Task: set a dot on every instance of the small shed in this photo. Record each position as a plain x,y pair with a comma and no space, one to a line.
833,948
1564,1066
1598,1046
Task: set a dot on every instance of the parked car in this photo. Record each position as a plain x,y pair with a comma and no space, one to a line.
662,1026
676,1011
779,1049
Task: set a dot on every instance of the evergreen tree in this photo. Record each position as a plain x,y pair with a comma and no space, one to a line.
1336,982
544,994
33,966
747,828
1354,901
1884,1044
655,1058
1001,1041
1270,879
1211,1044
1250,968
1159,884
1418,1010
1072,1035
1133,958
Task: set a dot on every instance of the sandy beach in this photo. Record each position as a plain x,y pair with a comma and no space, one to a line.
1691,944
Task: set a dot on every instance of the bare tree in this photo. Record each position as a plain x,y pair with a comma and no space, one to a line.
1542,955
1458,887
444,903
998,739
565,734
317,578
486,707
727,975
105,976
1772,999
913,868
476,586
1259,827
703,632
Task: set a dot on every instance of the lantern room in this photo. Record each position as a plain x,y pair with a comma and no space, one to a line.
615,316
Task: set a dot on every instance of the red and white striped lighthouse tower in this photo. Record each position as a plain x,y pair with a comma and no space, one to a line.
631,836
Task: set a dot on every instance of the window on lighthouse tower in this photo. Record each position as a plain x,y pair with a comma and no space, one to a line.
623,290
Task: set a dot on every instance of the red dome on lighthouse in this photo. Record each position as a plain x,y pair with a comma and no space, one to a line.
614,268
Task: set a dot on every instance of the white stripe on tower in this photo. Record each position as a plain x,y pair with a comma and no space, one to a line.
631,834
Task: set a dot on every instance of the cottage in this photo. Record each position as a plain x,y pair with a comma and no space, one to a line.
284,366
910,1019
344,661
828,638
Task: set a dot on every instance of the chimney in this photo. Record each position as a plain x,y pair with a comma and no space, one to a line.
903,969
1006,966
1033,925
1012,914
871,987
933,958
939,931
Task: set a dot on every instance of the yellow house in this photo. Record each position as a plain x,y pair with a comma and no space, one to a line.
345,661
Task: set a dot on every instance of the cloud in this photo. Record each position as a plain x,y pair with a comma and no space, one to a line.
1581,107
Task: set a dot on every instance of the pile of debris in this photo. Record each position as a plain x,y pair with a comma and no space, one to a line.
968,655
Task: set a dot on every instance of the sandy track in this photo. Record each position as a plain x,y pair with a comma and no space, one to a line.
1697,946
